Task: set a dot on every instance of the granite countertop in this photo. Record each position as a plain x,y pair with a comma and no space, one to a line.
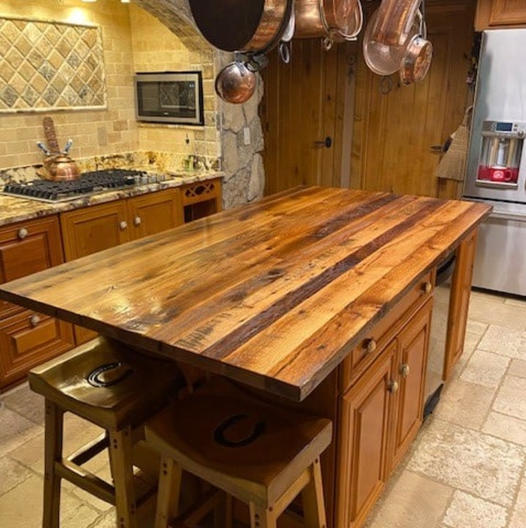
14,209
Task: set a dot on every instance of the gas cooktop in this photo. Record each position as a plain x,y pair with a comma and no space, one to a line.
88,184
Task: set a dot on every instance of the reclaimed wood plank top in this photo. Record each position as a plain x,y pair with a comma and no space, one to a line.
273,294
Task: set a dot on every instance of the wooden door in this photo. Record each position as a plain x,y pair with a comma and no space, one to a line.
306,120
459,303
152,213
92,229
413,345
500,13
365,422
395,131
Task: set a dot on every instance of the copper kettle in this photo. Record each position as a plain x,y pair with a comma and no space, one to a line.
59,168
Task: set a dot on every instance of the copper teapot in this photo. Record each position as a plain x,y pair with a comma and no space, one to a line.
59,168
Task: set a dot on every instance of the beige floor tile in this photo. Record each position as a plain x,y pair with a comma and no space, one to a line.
465,404
506,427
467,511
15,430
11,474
494,312
485,368
511,398
504,341
470,461
518,514
512,301
480,296
413,502
470,343
517,368
27,403
22,507
476,327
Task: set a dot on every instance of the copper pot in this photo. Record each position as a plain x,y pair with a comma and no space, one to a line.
242,25
236,83
339,20
416,61
60,168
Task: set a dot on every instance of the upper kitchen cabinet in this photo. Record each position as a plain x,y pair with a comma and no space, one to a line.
500,13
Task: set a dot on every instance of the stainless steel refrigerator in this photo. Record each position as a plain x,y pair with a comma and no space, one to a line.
496,171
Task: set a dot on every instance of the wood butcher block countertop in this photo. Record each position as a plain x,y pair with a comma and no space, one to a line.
273,294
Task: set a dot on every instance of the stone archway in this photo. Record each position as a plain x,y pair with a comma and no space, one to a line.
242,164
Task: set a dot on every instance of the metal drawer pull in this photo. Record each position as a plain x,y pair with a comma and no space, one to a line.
370,346
405,369
393,387
34,320
427,287
137,221
123,225
22,233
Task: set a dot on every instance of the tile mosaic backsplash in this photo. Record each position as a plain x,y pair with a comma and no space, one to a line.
50,66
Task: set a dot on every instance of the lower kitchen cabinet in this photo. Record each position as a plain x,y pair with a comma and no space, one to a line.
156,212
381,414
365,421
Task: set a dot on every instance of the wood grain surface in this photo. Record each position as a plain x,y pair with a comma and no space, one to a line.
273,294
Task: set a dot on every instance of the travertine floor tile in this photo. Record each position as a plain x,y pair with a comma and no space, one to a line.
465,404
15,429
27,403
512,301
413,502
497,313
517,368
518,515
511,398
11,474
506,427
22,508
485,368
467,511
476,327
504,341
481,296
470,461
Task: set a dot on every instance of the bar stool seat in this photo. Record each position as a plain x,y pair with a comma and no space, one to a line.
261,454
114,387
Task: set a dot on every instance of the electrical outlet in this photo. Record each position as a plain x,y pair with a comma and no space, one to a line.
246,135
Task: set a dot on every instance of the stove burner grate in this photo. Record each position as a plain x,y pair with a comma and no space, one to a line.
88,183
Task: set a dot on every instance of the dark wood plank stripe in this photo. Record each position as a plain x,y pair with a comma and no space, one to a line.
241,335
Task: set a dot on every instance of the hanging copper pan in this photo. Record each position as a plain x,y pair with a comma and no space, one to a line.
338,20
242,25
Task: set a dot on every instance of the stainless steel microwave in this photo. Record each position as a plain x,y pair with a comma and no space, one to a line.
170,97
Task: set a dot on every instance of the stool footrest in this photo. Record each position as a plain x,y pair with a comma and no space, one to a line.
89,451
85,480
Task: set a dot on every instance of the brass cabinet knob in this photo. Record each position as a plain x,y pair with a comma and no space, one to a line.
137,221
393,387
34,320
370,346
123,225
405,369
22,233
427,287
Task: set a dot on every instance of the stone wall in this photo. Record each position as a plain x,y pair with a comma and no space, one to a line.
242,164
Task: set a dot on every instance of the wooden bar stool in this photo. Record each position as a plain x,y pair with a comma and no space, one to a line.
116,388
258,453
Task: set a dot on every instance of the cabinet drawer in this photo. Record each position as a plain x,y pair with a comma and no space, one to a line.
373,344
28,339
200,192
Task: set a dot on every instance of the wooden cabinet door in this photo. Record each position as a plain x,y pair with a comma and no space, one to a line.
459,303
94,229
28,339
413,344
152,213
365,421
500,13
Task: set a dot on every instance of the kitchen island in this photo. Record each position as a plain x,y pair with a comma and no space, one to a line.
317,297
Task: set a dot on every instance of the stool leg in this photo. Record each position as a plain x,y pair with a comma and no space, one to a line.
54,433
312,498
261,517
121,461
169,492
